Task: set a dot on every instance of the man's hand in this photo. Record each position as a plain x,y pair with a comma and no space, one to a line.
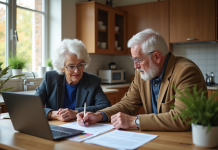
123,121
64,114
89,118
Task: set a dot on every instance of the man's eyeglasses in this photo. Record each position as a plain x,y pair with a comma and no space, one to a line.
72,68
138,61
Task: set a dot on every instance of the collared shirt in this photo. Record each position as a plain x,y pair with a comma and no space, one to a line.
70,96
155,86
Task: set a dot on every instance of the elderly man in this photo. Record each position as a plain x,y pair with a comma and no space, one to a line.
157,71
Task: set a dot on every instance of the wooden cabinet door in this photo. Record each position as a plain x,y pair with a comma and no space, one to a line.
192,20
113,98
153,15
96,39
210,92
119,20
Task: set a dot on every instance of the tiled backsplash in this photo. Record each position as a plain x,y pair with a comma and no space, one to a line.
204,55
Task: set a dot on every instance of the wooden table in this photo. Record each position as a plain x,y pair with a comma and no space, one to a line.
11,139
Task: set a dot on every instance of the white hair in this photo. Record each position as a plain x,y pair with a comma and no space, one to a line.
66,47
149,41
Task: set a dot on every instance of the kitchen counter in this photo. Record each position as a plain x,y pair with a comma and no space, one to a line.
107,89
215,87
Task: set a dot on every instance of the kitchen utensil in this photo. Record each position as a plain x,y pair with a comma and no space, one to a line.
116,29
118,48
103,45
112,66
100,23
116,43
102,27
210,79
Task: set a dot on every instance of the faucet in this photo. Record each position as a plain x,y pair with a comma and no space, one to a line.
26,83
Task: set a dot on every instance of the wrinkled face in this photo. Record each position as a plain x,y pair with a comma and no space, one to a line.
147,68
73,76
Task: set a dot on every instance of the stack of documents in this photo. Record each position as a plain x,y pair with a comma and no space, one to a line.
89,131
122,139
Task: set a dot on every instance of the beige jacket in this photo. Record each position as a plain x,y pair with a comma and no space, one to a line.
180,72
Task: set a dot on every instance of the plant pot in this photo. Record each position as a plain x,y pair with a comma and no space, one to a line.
201,138
49,68
16,72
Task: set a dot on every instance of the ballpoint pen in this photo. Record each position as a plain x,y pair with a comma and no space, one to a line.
84,112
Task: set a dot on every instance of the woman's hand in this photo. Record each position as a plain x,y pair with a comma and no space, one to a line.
65,114
89,118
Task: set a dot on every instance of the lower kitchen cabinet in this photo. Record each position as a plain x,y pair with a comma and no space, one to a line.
3,109
113,98
212,92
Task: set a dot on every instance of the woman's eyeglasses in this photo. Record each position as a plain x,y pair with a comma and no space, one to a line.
72,68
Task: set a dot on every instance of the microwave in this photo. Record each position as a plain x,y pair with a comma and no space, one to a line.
112,76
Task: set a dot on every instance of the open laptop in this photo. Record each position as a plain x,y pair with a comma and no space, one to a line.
28,116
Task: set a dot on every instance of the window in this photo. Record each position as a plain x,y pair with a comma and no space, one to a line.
25,19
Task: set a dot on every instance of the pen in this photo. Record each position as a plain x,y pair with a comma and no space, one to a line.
84,112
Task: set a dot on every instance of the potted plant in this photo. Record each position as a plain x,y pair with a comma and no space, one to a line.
202,113
49,65
17,63
1,67
2,82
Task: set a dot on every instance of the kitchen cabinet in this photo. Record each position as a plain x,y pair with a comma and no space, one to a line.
97,39
192,20
3,109
122,92
212,92
113,98
154,15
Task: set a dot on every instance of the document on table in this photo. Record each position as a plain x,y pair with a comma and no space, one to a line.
122,139
89,131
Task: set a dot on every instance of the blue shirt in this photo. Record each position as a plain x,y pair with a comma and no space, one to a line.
70,96
155,89
155,86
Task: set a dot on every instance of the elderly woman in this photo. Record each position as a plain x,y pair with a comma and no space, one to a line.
65,90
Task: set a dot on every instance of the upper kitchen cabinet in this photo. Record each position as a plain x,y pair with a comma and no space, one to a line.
101,28
154,15
192,20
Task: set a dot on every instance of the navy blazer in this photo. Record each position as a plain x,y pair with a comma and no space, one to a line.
52,92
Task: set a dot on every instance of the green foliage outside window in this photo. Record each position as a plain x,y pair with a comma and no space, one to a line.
199,108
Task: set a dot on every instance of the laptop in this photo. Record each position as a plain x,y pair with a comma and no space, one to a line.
28,116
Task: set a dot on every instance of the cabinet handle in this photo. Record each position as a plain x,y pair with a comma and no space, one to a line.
190,39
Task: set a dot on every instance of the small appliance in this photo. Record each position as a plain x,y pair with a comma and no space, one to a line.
112,76
112,66
210,79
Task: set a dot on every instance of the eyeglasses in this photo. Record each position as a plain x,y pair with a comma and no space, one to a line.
138,61
72,68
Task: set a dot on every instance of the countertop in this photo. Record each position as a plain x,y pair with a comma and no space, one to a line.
107,89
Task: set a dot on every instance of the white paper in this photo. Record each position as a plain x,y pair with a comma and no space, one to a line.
122,139
91,130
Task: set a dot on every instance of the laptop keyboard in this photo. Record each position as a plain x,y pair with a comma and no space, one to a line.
56,133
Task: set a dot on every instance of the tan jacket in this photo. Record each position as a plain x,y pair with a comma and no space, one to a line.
180,72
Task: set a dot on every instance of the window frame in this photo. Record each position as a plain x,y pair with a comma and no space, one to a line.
10,43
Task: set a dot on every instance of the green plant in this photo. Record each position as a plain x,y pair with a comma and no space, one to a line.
49,63
2,82
0,66
199,108
17,62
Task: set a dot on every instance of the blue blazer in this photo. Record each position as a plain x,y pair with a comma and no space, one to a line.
52,92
